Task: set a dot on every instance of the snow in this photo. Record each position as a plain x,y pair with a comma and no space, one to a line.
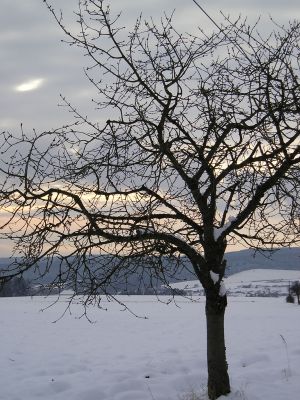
215,277
222,290
218,231
254,282
259,274
261,281
121,357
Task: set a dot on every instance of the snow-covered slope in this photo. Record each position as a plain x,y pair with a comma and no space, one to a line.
261,282
254,282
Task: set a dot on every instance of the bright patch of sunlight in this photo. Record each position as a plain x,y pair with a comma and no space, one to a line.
29,85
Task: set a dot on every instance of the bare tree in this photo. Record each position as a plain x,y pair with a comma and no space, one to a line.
200,149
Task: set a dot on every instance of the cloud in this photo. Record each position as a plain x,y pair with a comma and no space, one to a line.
32,84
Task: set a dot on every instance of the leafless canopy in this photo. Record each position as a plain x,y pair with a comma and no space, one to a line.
196,147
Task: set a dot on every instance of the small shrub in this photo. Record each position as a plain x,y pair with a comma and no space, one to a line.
295,289
290,298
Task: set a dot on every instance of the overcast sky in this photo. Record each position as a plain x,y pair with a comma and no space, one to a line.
35,67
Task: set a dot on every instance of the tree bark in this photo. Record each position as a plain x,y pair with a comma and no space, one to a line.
218,379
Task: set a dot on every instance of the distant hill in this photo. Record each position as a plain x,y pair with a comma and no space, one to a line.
282,259
285,258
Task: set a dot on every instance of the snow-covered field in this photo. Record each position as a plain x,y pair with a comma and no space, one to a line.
121,357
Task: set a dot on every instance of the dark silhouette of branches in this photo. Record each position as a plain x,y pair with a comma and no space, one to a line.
200,150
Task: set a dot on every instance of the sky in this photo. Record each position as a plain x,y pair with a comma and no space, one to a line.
36,67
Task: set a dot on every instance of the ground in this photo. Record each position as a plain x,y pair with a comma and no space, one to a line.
121,357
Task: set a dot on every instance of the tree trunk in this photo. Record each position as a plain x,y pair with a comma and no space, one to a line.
218,379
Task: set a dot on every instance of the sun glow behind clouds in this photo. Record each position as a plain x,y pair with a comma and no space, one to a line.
29,85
